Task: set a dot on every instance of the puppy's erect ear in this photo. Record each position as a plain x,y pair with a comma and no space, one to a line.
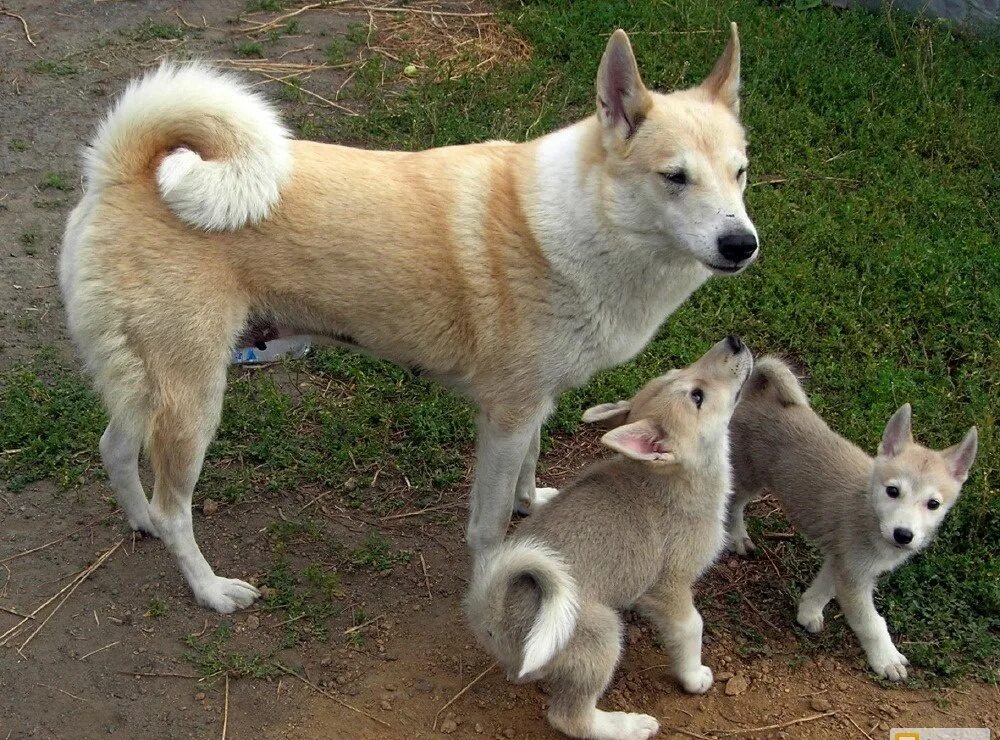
961,456
640,440
622,99
612,413
723,83
897,433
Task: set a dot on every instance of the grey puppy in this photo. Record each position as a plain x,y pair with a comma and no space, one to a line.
868,516
633,531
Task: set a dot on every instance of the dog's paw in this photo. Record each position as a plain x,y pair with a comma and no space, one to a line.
623,726
741,545
697,681
541,497
225,595
810,619
890,664
140,521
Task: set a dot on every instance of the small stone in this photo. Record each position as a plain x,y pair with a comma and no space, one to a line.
386,705
448,726
509,732
253,622
479,729
884,726
390,687
209,507
200,696
424,686
724,676
737,685
326,661
266,592
820,704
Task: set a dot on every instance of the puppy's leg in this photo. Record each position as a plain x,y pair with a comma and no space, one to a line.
580,674
182,428
120,452
671,609
529,498
500,453
739,539
816,597
855,597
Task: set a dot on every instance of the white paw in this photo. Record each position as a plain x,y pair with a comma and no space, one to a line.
623,726
541,497
225,595
741,544
811,620
140,522
697,681
889,664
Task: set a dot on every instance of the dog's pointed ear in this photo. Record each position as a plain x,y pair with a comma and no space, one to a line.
622,99
723,83
611,413
640,440
961,456
897,432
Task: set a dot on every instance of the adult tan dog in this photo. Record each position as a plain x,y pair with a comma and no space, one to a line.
509,271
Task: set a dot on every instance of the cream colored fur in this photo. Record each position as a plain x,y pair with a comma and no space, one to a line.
635,531
839,498
508,271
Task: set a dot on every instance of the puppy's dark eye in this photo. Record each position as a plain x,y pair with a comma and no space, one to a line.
697,395
742,171
933,504
892,491
678,177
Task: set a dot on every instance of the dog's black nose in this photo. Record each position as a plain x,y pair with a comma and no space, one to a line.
902,536
737,246
735,343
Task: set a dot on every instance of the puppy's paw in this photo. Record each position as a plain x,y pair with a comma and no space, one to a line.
889,664
140,521
697,681
741,545
810,619
623,726
224,595
541,497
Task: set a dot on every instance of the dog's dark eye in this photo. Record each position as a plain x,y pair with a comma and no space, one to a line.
697,396
933,504
742,171
678,177
892,491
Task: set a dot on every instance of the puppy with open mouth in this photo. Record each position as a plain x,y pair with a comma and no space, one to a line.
634,531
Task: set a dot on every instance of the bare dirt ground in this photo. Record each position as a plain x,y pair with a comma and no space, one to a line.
117,659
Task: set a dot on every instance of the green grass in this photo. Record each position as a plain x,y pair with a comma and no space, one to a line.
157,608
212,658
55,68
250,49
18,145
56,181
880,272
376,554
150,30
257,6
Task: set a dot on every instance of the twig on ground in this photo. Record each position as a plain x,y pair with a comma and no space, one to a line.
274,22
455,698
141,674
373,620
429,509
327,694
778,726
15,612
86,574
690,733
427,581
860,729
56,541
24,24
310,93
447,13
779,535
94,652
225,709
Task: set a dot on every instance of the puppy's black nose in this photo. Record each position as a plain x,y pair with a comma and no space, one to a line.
737,246
902,536
735,343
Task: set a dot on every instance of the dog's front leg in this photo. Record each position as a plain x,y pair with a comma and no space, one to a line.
855,597
672,610
501,450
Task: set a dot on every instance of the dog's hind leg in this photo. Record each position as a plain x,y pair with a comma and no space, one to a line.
816,597
580,674
120,448
672,610
530,498
182,426
502,444
738,539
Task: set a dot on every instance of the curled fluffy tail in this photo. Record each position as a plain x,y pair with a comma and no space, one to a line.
773,375
219,152
557,613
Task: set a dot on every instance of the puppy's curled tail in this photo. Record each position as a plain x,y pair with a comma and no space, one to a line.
774,374
218,151
558,609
